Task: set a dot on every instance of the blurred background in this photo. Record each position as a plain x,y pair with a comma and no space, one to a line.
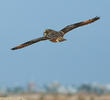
84,59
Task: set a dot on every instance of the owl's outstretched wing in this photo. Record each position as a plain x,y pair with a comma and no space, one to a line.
73,26
29,43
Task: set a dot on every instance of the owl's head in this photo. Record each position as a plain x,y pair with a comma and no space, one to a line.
47,31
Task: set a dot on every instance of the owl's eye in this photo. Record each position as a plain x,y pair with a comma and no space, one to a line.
45,34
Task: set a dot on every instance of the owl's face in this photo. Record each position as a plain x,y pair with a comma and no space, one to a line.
47,31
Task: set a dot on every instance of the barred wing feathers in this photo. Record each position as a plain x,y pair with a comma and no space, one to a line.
76,25
29,43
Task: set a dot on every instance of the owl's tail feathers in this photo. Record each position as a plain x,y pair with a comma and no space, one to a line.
29,43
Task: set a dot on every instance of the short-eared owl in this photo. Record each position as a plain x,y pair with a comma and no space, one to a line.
56,36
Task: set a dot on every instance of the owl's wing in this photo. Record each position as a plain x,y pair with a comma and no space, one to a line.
29,43
72,26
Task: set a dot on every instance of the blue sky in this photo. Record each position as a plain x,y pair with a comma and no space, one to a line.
84,57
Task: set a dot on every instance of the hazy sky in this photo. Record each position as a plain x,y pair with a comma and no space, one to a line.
84,57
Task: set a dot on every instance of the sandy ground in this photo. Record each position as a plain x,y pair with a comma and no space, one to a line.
58,97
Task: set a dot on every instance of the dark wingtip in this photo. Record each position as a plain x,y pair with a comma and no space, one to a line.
14,48
96,18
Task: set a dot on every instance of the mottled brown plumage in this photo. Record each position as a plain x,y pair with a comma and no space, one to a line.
56,36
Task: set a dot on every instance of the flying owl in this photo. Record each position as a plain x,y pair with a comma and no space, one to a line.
56,36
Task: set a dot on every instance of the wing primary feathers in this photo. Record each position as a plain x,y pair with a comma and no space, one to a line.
73,26
29,43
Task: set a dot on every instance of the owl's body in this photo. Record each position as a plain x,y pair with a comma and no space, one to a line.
56,36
